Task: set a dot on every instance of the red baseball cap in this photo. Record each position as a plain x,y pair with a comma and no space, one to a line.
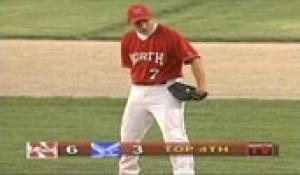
138,11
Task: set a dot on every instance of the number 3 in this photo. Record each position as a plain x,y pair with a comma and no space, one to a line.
153,73
137,149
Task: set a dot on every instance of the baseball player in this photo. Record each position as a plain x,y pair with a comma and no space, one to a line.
155,55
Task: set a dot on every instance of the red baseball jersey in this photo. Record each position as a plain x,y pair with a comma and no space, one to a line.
158,58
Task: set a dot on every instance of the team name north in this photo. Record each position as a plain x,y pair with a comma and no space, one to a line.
156,57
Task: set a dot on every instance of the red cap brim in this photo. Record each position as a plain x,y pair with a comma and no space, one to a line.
134,20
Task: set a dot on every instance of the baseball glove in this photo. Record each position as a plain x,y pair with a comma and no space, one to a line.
185,92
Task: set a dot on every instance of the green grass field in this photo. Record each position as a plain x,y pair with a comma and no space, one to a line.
50,119
199,20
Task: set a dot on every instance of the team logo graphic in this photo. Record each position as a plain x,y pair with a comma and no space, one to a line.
41,150
105,149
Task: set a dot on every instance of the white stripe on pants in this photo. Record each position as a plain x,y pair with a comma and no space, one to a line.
144,104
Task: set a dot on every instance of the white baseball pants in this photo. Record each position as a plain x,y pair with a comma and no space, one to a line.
146,103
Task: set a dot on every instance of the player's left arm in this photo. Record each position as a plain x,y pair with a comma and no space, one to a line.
185,51
198,70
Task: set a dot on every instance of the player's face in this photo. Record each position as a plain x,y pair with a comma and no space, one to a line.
143,26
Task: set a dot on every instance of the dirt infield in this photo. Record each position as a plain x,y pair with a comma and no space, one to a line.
45,68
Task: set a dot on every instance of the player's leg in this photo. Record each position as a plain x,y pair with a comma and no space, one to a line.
169,114
135,123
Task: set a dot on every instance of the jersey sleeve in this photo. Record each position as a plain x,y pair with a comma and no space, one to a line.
125,59
183,50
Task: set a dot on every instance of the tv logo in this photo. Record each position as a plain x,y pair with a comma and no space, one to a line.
262,149
105,149
41,150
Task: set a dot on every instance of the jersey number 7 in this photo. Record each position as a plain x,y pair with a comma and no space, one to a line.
153,73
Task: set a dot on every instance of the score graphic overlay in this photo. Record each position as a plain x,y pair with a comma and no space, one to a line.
106,149
201,148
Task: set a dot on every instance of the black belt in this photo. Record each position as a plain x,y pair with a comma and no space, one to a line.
149,84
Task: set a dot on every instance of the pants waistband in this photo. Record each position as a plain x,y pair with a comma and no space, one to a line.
168,82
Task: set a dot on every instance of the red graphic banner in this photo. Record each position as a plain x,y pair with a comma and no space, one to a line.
51,150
